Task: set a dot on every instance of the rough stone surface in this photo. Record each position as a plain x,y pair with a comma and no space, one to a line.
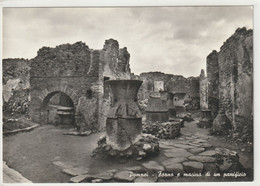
177,152
79,72
124,119
16,85
97,180
205,145
203,91
197,150
231,70
174,168
203,159
124,176
104,176
213,82
208,153
183,146
228,161
235,74
62,165
80,178
152,165
173,161
166,145
172,83
134,168
193,166
165,130
76,171
139,150
221,124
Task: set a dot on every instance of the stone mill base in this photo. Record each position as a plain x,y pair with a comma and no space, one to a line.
147,146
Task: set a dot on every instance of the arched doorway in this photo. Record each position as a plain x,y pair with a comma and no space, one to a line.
58,109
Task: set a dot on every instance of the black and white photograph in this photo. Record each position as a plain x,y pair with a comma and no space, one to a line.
128,94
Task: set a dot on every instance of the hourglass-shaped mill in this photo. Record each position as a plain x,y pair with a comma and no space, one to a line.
124,120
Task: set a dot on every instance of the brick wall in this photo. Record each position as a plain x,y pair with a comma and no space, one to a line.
173,83
77,70
230,76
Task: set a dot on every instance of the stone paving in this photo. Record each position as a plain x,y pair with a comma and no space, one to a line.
189,154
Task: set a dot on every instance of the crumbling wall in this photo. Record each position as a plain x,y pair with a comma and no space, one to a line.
203,91
230,76
149,80
16,85
172,83
180,84
235,62
74,69
69,68
213,82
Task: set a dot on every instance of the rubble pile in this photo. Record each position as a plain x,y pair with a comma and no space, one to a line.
166,130
227,161
146,146
18,103
143,104
14,123
185,116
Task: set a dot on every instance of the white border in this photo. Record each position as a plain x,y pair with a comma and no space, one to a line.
109,3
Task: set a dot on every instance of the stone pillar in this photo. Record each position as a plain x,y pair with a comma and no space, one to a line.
203,91
221,124
213,82
124,120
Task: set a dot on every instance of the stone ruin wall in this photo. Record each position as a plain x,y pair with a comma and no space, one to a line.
213,82
16,85
173,83
114,64
235,73
236,76
203,91
148,79
73,69
180,84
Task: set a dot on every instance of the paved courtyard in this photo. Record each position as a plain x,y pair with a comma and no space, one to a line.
46,155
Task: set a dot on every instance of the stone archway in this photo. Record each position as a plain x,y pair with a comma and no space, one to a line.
57,113
47,92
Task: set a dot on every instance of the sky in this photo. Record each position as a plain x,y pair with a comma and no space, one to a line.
173,40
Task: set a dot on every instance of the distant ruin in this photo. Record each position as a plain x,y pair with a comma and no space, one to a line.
185,90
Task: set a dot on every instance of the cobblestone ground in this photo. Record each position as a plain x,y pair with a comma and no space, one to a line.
45,155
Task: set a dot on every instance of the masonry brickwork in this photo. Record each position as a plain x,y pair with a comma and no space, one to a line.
16,85
230,77
72,70
168,82
203,91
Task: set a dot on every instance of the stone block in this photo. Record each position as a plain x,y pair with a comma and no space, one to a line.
193,167
152,165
